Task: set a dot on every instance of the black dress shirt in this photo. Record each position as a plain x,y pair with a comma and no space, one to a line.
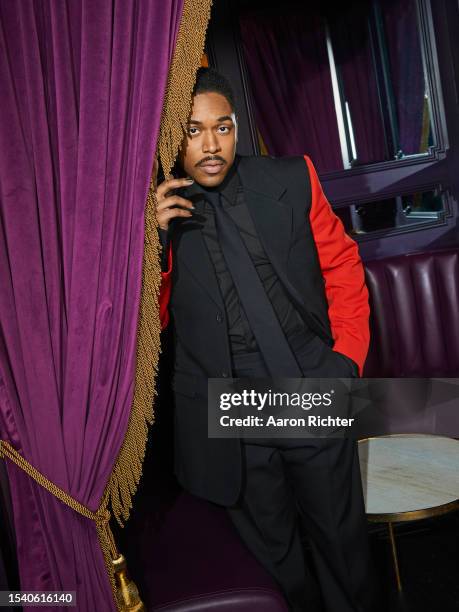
240,334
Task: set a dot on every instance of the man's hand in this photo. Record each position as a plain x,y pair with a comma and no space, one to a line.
168,202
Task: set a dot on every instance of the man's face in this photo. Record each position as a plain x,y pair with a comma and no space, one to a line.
208,149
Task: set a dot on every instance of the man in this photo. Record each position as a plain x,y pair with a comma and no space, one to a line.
261,280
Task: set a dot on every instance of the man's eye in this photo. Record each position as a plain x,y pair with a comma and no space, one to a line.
225,129
192,131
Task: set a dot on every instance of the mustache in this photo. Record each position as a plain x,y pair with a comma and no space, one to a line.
211,158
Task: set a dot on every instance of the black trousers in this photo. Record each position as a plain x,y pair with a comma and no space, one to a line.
312,486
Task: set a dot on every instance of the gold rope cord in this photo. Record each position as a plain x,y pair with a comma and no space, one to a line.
177,105
101,517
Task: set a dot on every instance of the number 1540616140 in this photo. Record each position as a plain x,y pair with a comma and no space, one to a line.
38,598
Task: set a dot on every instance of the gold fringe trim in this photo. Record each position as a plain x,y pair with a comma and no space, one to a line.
101,517
177,104
182,76
128,467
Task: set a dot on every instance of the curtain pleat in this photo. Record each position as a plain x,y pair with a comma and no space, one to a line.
82,86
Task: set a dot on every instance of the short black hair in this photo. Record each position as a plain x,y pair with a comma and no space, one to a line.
209,80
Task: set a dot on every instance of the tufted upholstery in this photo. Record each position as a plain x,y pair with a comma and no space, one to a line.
197,562
415,315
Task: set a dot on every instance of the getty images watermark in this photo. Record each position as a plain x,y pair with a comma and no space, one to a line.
331,407
275,400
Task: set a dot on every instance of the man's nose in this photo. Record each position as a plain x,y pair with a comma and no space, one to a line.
210,143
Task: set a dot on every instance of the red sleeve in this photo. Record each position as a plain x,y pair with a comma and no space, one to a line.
165,290
343,272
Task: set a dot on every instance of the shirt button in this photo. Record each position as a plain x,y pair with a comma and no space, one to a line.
219,317
225,374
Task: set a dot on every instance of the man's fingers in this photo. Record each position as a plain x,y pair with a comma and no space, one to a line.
169,184
155,171
168,202
173,200
166,215
170,213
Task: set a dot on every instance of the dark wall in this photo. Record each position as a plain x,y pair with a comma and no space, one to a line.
9,575
3,580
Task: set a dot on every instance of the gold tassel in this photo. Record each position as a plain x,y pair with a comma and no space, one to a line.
126,588
177,104
101,519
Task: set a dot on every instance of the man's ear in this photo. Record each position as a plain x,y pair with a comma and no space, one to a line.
235,121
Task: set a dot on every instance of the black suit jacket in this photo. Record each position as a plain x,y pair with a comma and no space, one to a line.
278,196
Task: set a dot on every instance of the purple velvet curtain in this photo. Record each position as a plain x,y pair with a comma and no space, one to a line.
355,64
405,58
81,91
286,56
353,54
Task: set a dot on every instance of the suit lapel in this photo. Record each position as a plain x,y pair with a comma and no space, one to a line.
195,256
272,217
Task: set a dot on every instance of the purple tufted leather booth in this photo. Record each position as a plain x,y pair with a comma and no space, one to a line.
415,315
196,563
183,552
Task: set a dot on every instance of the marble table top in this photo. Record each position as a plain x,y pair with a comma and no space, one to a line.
408,473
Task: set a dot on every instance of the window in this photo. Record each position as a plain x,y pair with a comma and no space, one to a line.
356,86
